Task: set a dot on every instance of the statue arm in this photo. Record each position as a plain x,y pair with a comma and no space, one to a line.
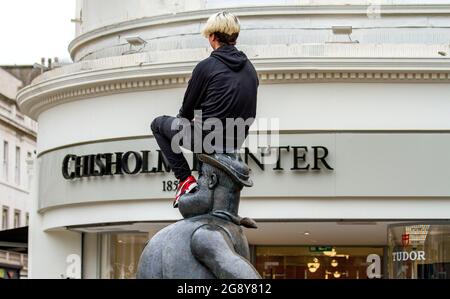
214,249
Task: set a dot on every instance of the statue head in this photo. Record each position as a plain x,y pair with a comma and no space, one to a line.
219,186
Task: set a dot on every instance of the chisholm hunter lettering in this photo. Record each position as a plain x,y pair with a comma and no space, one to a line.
133,163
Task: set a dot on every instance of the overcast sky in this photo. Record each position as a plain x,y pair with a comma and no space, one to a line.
31,29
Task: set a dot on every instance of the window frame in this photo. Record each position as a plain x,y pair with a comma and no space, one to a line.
17,213
6,160
17,166
5,220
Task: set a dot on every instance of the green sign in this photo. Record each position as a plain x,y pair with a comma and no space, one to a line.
2,273
320,248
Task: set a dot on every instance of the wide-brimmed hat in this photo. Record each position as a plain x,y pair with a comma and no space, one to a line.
232,164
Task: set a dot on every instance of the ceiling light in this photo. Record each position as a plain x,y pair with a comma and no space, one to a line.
334,263
312,267
331,253
307,233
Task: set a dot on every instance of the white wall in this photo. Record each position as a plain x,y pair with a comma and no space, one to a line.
48,251
94,14
397,31
308,106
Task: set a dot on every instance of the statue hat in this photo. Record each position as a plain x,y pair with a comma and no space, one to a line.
232,164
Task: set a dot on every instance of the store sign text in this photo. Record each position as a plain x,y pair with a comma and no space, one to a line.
133,163
404,256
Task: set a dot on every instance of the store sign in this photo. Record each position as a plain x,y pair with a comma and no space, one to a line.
97,172
73,269
404,256
133,162
320,248
374,266
135,169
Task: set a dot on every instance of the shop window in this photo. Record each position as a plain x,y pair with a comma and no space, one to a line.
315,262
29,159
419,251
5,160
5,218
16,218
17,166
120,254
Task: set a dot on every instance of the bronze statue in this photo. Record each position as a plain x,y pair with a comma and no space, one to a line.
209,243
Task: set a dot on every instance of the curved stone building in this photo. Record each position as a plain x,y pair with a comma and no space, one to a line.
361,91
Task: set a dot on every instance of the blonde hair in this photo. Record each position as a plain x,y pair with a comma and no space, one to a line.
223,23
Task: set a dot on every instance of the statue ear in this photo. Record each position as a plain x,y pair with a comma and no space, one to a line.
213,180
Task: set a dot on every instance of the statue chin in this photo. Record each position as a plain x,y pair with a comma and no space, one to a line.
195,204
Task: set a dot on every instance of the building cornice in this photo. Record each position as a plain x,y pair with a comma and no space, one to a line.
18,127
93,83
9,185
255,11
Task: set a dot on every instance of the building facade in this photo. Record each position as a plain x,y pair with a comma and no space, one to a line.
360,91
17,148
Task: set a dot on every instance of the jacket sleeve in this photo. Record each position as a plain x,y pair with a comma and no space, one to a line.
194,92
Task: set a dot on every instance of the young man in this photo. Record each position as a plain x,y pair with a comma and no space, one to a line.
222,87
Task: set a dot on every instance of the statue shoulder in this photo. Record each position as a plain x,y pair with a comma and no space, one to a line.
209,239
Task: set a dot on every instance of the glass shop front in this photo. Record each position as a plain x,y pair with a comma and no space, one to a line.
419,251
413,251
120,254
314,262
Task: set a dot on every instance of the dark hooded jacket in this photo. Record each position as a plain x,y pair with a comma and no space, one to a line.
222,86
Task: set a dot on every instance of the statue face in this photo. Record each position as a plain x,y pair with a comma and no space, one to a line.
215,191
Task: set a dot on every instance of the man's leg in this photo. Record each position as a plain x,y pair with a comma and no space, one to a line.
162,130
